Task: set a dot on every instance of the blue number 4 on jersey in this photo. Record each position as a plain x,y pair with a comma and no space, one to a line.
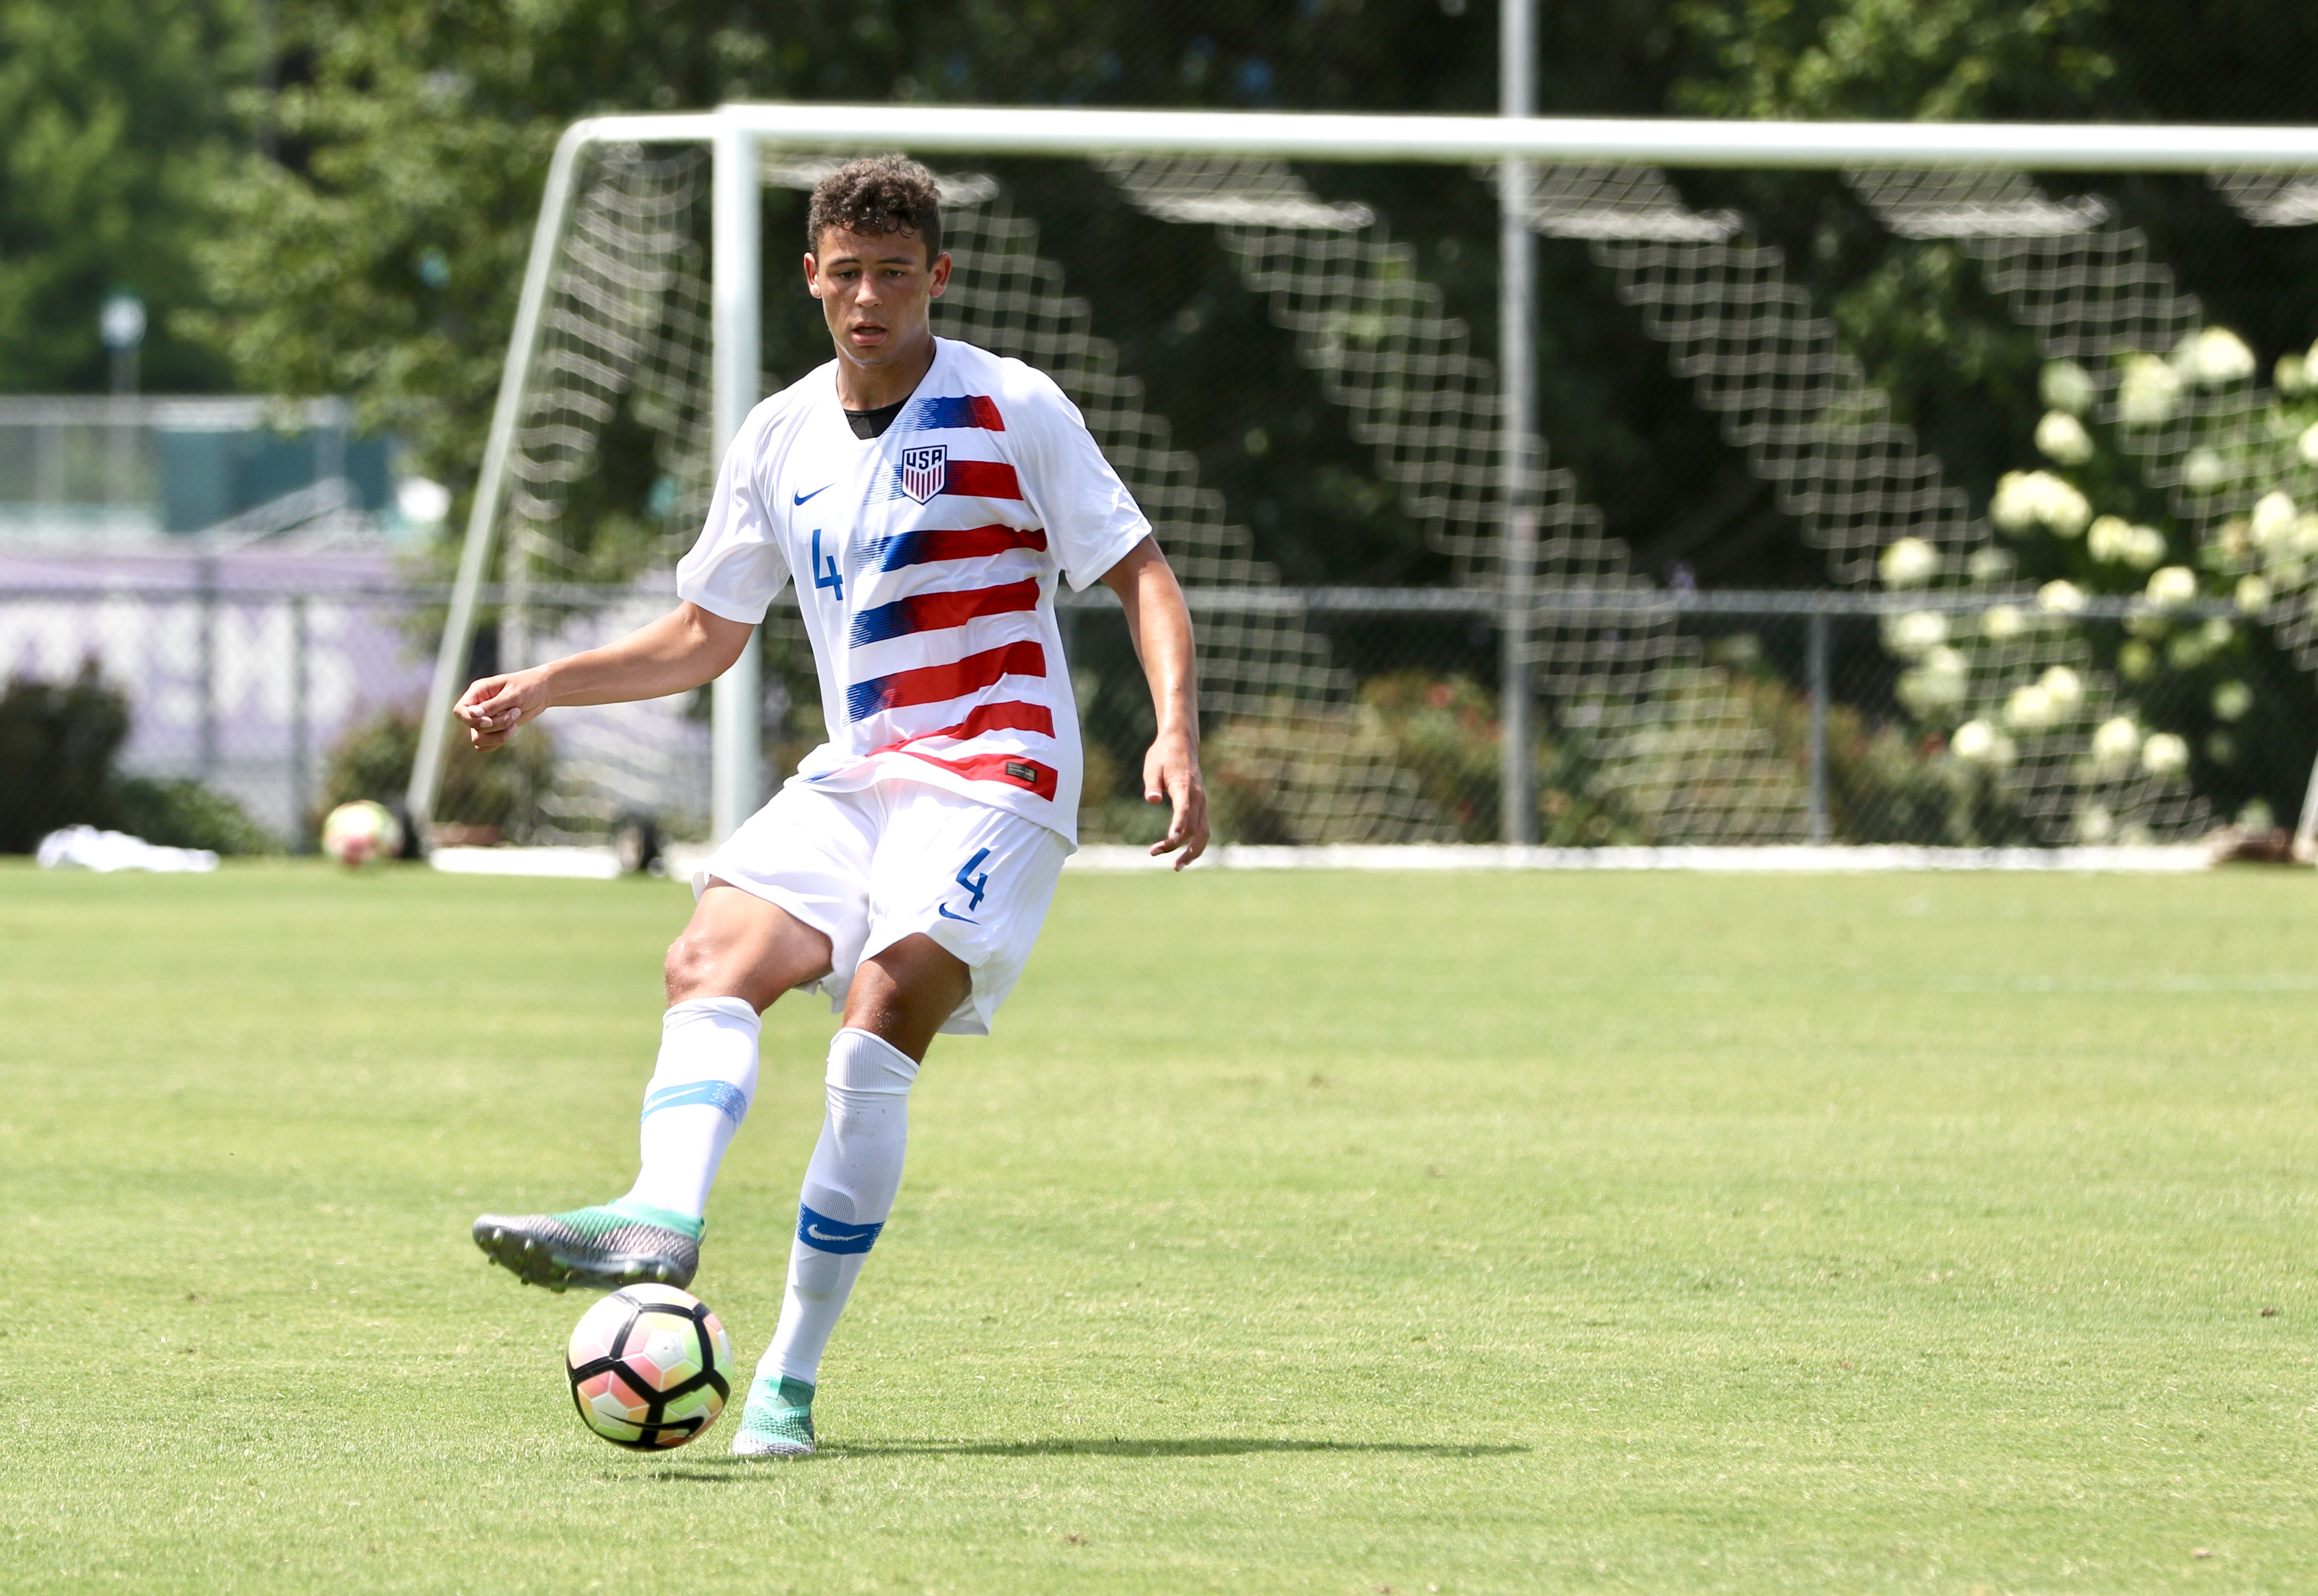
825,575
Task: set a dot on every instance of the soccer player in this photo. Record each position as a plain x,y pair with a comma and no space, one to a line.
925,497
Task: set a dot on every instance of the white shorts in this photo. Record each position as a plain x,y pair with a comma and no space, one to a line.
868,869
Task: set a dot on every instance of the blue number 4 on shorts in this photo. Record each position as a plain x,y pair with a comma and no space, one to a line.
977,884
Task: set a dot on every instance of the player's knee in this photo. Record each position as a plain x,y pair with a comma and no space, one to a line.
687,966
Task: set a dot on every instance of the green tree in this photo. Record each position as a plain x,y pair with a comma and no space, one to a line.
118,135
377,255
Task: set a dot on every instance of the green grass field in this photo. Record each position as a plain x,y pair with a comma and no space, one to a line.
1297,1232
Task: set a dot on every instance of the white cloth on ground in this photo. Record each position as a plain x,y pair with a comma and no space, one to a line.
85,847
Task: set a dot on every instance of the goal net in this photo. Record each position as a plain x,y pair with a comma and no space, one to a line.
1970,694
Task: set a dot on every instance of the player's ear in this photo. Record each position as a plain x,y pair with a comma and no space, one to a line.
811,274
939,276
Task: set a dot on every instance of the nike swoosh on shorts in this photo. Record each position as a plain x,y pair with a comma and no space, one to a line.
943,909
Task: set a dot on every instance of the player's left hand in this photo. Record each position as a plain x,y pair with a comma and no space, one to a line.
1170,775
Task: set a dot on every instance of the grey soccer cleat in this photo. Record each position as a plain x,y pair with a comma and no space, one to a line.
601,1248
777,1421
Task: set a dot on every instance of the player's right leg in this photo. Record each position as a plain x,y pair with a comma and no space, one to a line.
739,953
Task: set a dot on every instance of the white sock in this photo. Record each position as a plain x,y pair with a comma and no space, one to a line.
699,1094
849,1190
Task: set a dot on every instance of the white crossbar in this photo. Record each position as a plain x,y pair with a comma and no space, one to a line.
1634,141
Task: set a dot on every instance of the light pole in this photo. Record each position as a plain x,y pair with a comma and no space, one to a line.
121,325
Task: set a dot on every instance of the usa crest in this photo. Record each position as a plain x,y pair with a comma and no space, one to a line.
924,470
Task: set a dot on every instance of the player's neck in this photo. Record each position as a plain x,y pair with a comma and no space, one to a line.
889,381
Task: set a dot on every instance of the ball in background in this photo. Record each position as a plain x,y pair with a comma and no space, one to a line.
357,833
650,1368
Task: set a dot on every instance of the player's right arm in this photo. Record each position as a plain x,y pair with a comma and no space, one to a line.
678,652
726,583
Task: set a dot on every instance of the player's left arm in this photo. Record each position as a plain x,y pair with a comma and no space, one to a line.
1159,623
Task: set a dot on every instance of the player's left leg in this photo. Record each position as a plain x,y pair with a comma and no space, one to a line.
958,896
897,1001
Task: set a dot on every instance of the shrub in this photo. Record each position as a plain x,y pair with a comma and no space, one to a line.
178,811
1445,730
1305,776
374,761
58,741
1886,783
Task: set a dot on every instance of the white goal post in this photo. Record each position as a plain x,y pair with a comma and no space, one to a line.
738,136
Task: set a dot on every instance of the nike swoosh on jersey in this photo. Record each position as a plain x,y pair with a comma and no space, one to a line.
943,909
822,490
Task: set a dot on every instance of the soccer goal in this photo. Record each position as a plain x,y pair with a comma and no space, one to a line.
2020,663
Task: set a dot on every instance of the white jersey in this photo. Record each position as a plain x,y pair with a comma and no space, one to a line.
932,552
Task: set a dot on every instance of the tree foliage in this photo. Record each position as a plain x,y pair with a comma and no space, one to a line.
118,135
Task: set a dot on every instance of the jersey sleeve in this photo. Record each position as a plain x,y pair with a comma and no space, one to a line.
1091,520
736,568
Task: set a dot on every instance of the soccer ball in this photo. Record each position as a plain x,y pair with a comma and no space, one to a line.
359,832
648,1367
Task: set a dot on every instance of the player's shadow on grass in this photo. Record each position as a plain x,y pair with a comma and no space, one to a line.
728,1470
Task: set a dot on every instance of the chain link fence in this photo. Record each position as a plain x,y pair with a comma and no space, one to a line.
288,684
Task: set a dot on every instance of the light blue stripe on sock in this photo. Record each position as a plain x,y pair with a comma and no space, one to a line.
716,1094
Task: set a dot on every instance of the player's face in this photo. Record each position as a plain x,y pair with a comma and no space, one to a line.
874,290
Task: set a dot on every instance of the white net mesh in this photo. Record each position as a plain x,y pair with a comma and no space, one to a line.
1692,762
2270,199
1795,401
625,327
2183,395
1681,747
623,338
2093,295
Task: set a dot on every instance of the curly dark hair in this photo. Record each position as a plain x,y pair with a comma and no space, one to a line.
877,195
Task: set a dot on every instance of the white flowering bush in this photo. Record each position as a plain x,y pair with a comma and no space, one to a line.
2026,500
2165,754
1909,562
2095,518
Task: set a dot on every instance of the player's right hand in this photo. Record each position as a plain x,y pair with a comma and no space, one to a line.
493,708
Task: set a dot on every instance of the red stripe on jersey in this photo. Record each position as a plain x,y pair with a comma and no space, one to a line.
930,684
930,545
1012,769
1011,716
939,612
985,413
981,478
